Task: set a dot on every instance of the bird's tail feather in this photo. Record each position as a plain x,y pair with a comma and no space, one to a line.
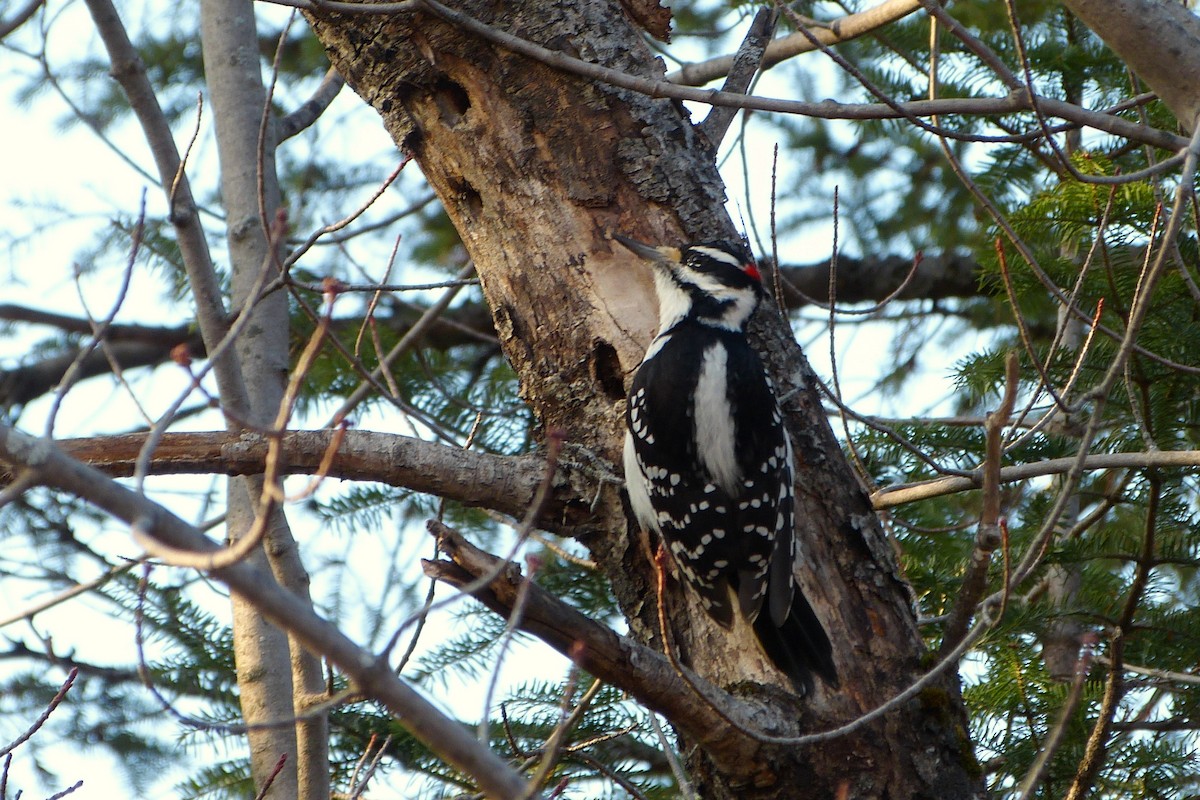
800,646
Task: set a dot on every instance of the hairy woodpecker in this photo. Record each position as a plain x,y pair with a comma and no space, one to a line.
708,461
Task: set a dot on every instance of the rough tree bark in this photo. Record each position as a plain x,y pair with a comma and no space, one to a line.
535,167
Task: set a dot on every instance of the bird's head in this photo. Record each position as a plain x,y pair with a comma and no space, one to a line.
714,283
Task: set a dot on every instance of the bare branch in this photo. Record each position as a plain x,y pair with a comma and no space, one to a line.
96,342
45,715
114,332
974,44
832,32
69,790
135,346
18,19
1157,675
304,246
130,72
746,65
1141,32
266,787
717,723
30,612
372,677
23,652
312,109
551,751
23,384
892,496
406,343
988,537
507,484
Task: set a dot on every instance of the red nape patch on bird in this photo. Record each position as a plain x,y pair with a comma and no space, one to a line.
751,269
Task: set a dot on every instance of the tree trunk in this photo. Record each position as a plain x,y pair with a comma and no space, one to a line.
277,677
1160,41
535,167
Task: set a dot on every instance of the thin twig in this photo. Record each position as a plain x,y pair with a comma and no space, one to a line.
831,32
311,110
553,748
62,597
988,537
266,787
69,790
835,389
59,696
510,628
73,372
1023,331
1114,686
681,778
876,425
554,442
232,389
304,246
1041,765
410,338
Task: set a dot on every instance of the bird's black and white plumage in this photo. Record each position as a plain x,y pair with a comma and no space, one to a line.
708,461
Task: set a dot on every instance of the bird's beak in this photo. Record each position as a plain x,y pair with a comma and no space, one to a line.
655,255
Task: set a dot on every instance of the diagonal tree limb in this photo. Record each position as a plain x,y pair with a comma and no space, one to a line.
746,65
615,659
833,32
130,72
41,720
18,19
371,676
310,110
